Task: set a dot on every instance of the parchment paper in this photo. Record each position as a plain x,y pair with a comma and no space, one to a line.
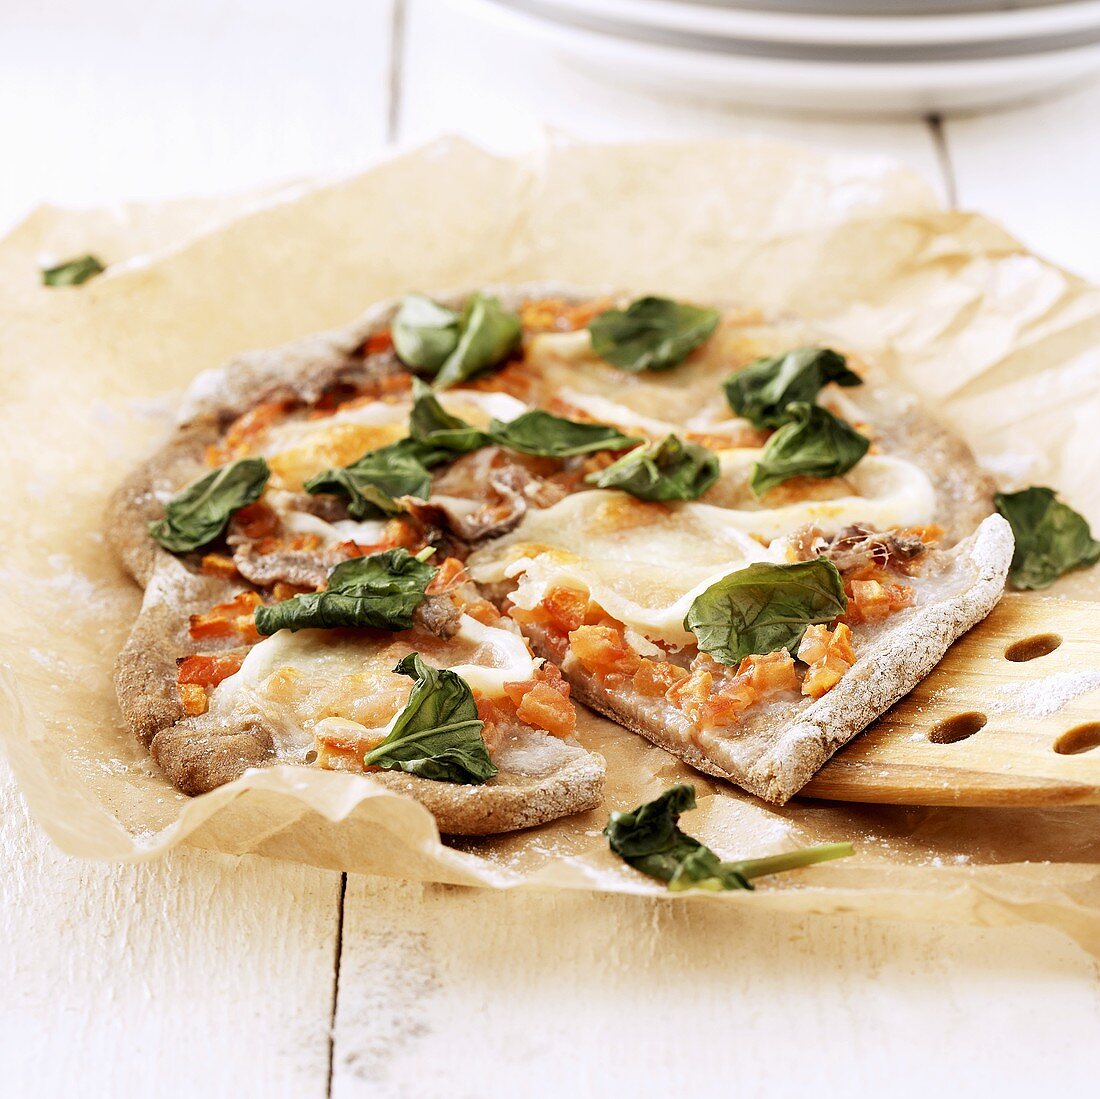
1003,346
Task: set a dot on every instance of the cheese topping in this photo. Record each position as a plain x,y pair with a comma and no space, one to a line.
366,533
296,681
300,448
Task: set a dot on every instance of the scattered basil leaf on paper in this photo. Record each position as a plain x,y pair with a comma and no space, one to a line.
548,436
380,591
1051,538
199,513
372,484
73,272
651,333
438,733
649,839
454,346
813,443
762,390
662,471
764,608
432,424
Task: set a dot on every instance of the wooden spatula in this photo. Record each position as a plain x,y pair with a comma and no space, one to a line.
1010,716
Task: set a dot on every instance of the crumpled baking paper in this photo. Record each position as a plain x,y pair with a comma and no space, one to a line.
1002,345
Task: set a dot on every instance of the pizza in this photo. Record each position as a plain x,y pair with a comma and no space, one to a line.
410,547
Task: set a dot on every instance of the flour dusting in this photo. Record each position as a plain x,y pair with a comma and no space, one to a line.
1045,696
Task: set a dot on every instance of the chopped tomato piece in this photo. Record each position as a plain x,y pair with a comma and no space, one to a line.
829,653
451,573
218,564
603,651
770,673
544,702
545,708
257,520
378,343
495,719
566,608
282,590
193,698
244,429
873,600
207,669
715,695
232,619
655,678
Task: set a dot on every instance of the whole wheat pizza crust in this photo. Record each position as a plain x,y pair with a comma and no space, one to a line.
146,670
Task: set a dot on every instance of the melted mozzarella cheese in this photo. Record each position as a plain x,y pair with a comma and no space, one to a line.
367,532
881,491
384,418
617,415
502,657
318,680
300,448
643,563
478,408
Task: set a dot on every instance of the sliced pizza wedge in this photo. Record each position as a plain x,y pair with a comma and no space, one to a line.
453,710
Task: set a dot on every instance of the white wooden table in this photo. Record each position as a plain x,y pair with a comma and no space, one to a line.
211,975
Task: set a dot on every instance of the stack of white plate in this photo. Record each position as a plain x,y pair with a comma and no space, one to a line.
864,56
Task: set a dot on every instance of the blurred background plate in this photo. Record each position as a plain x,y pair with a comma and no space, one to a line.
900,24
891,78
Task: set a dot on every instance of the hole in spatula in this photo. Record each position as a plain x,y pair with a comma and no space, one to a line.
1031,648
1081,738
953,729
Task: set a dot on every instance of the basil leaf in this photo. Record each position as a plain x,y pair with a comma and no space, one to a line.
815,443
651,333
668,470
650,840
438,734
549,436
454,346
73,272
381,590
424,333
432,424
488,335
372,483
1051,538
199,513
762,390
764,608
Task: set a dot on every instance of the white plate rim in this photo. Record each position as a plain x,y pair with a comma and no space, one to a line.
807,76
901,30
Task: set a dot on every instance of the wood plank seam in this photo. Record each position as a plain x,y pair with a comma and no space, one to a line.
943,156
395,83
337,957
